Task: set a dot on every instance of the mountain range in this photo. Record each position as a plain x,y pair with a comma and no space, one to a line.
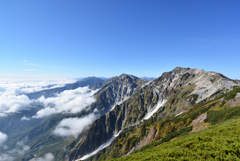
133,117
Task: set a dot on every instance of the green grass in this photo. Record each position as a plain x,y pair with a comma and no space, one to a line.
167,138
219,142
214,117
172,127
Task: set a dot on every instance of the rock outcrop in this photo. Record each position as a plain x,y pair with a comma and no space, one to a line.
181,88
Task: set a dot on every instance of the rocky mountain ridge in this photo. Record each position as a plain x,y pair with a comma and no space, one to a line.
180,88
110,93
127,110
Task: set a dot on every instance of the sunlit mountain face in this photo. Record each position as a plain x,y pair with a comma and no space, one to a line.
119,80
87,119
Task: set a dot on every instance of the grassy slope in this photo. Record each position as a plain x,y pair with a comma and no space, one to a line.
172,127
219,142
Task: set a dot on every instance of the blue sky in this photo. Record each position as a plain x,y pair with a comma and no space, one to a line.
78,38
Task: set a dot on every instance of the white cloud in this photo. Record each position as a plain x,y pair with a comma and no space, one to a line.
2,115
28,86
6,157
24,61
12,98
46,157
3,138
73,126
45,112
29,70
25,118
69,101
19,150
13,103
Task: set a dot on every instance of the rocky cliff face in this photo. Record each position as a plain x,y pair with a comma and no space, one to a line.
172,93
40,134
121,88
113,92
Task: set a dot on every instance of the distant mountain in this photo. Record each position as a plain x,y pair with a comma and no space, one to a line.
133,115
78,79
103,78
116,91
148,78
174,92
112,92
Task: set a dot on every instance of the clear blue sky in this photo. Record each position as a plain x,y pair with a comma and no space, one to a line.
78,38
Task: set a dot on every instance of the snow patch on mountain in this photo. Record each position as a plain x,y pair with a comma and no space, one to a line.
179,113
154,110
100,147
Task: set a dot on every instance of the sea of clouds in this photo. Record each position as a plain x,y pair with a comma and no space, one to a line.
13,99
73,126
69,101
3,138
19,149
13,93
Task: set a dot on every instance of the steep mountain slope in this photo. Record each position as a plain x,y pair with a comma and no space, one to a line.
113,92
156,131
131,114
209,144
148,78
173,93
40,138
119,89
36,132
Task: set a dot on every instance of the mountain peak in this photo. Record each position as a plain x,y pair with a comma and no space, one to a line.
180,69
123,75
91,78
127,76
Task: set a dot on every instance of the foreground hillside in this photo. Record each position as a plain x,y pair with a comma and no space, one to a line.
160,110
218,142
126,116
142,139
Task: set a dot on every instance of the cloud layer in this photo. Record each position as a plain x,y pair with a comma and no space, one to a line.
3,138
73,126
25,118
69,101
21,87
13,103
46,157
12,94
19,150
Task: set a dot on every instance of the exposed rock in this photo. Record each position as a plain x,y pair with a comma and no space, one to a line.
114,91
198,124
151,135
234,102
181,87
